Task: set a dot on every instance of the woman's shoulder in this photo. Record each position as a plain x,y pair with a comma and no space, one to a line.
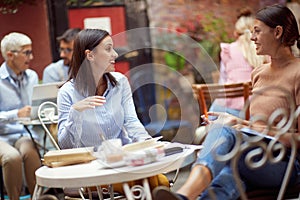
296,63
259,70
294,67
224,45
118,76
67,87
227,49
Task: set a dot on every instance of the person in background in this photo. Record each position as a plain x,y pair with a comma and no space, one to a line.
275,32
237,60
16,86
96,103
58,71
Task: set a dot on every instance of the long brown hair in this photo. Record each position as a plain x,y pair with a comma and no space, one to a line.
80,69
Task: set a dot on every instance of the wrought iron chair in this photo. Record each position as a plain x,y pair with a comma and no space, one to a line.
45,119
267,150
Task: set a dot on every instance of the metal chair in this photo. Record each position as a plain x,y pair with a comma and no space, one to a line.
45,119
260,150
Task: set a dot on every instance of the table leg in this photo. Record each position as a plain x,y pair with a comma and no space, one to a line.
80,190
90,193
37,192
127,191
111,191
147,189
137,191
99,191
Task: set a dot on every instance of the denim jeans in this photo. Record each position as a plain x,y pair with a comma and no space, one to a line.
217,108
223,184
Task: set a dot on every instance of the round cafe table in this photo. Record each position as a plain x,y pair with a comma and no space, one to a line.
97,173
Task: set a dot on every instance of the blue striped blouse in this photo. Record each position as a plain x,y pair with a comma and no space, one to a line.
83,129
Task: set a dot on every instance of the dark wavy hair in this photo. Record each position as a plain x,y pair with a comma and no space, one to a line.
69,35
280,15
80,69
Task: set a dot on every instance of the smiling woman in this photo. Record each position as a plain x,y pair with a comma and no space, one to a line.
275,31
96,100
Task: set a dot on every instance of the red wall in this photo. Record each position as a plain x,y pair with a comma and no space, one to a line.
31,20
118,24
116,14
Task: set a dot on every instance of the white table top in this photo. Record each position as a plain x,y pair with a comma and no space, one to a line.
96,173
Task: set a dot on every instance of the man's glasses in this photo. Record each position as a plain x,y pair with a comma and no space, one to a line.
26,53
65,50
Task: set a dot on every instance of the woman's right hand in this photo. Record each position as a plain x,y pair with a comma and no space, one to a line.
89,103
223,118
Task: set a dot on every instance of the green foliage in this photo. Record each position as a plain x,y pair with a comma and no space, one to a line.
208,30
214,33
11,6
174,61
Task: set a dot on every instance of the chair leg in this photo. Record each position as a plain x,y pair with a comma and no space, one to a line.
174,178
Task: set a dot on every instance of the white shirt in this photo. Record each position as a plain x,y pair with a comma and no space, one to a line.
11,101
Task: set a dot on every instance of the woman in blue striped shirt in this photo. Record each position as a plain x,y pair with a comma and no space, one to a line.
96,103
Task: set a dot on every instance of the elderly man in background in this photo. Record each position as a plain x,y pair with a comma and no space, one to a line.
16,86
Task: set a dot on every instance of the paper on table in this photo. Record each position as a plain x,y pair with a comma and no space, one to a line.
251,132
63,157
150,143
184,146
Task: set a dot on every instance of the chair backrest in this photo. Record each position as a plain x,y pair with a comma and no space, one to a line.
206,93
